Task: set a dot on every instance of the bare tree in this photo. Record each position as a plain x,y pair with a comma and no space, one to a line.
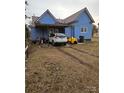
26,28
95,29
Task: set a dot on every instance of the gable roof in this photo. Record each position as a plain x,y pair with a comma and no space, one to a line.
47,12
67,20
74,16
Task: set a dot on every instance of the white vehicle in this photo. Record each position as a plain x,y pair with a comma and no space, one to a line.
57,38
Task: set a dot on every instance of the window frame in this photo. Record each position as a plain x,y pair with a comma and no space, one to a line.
84,31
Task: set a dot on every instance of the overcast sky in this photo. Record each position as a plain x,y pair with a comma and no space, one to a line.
62,8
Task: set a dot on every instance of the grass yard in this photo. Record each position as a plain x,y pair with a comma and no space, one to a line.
63,69
90,47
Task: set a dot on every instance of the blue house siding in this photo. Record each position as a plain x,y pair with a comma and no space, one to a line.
36,34
68,31
75,29
83,21
71,25
47,19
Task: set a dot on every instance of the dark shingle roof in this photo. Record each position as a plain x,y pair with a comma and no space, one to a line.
74,16
60,20
67,20
34,19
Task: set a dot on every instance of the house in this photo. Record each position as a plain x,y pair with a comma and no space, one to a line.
77,25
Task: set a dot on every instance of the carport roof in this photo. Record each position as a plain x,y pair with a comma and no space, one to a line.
51,25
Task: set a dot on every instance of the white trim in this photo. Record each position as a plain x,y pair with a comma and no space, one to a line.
83,28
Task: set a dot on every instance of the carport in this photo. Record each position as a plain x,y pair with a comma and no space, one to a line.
46,29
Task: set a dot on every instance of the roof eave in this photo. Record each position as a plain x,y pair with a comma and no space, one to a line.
91,18
47,11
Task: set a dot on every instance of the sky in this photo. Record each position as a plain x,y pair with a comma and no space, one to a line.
62,8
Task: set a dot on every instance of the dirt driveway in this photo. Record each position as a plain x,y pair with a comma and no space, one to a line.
72,69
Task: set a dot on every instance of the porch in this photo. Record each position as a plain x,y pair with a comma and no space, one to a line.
46,29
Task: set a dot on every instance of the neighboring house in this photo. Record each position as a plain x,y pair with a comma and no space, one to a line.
76,25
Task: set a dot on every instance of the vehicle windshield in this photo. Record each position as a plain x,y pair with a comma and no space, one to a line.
60,35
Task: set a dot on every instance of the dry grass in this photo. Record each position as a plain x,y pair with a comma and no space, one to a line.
90,47
48,70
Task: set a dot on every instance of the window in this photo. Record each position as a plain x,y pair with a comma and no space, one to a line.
52,30
84,29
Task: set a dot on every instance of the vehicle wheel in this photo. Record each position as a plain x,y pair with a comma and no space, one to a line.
64,43
75,42
53,43
69,42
